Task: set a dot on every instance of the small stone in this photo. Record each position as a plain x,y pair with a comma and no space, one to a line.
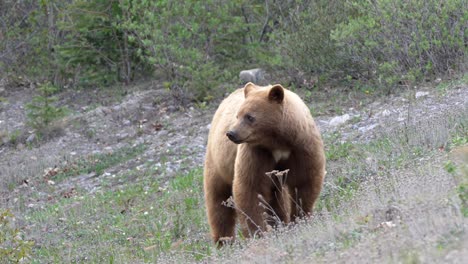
367,128
386,113
163,133
421,94
106,110
31,138
122,136
252,75
388,224
339,120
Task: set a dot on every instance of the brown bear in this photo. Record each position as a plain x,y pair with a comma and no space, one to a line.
254,131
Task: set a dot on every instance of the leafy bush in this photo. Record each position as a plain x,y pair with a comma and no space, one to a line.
24,40
191,44
96,50
13,248
391,41
305,37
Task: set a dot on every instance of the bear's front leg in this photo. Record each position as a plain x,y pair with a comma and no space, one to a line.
222,219
305,182
252,188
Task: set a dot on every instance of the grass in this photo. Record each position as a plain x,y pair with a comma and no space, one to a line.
139,215
98,163
446,85
148,219
140,221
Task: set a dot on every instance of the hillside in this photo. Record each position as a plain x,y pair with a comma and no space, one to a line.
119,180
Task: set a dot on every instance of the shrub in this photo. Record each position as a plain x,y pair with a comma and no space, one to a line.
13,248
96,49
391,41
41,111
305,37
191,44
25,44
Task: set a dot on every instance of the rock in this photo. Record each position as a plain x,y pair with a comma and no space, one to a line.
367,128
386,113
106,111
252,75
122,136
163,133
339,120
31,138
3,84
421,94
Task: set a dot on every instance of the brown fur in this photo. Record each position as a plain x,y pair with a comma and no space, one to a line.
274,130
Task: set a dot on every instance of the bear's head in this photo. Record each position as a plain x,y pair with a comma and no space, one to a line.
259,115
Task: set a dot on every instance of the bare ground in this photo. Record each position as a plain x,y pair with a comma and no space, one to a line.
405,213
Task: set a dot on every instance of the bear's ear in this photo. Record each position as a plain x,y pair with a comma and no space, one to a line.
276,93
248,88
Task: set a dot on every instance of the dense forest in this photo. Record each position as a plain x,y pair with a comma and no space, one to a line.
194,46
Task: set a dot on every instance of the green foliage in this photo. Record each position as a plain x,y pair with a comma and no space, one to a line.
462,191
13,247
20,45
96,50
392,41
306,40
194,46
41,111
450,167
13,137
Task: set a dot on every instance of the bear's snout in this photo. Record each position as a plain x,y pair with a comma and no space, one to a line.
233,136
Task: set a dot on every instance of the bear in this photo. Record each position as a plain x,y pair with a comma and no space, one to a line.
255,130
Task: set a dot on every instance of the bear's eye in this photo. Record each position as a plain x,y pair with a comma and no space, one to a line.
249,118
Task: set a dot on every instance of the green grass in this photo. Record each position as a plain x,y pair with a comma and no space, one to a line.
351,163
99,163
446,85
462,191
13,247
140,221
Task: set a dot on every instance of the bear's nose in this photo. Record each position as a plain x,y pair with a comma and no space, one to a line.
231,135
